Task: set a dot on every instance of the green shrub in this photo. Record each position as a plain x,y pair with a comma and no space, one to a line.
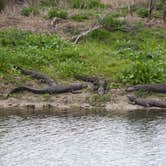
2,5
79,17
17,38
111,23
26,11
142,12
158,14
159,6
100,34
12,37
143,72
54,12
121,12
86,4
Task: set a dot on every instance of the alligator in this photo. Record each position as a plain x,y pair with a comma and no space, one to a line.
99,85
146,102
157,88
53,87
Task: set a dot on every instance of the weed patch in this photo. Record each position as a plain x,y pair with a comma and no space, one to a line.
86,4
142,12
26,11
55,12
79,17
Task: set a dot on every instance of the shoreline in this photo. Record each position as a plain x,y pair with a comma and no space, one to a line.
115,102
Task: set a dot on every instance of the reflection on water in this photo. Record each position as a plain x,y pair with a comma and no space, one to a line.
135,140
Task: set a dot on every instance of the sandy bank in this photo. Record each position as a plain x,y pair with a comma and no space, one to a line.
114,102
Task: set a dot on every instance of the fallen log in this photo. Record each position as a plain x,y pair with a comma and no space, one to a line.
146,102
99,85
53,88
157,88
77,38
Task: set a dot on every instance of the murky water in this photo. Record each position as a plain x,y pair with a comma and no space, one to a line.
136,140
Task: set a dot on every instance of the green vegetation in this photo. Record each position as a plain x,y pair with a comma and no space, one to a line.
55,12
2,5
26,11
79,17
49,3
118,56
122,52
86,4
111,23
142,12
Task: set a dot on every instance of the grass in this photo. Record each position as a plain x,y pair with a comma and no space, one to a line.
2,5
86,4
80,17
55,12
142,12
121,57
26,11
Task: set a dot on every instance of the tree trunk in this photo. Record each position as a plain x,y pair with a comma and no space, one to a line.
150,8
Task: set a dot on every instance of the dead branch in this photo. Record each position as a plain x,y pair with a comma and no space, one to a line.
77,38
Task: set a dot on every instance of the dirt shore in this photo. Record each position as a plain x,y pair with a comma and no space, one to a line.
115,102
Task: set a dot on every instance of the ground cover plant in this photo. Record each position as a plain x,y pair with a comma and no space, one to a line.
119,56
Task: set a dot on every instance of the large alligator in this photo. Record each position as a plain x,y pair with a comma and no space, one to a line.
53,87
157,88
146,102
99,85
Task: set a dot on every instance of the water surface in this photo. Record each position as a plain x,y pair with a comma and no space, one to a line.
94,140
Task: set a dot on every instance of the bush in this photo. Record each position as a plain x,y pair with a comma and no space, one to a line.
79,17
86,4
111,23
100,34
142,12
143,72
2,5
12,37
54,12
159,6
26,11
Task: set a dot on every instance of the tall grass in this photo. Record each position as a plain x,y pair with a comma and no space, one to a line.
86,4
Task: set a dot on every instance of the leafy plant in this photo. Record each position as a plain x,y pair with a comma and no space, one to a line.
26,11
79,17
86,4
55,12
142,12
100,34
2,5
112,23
141,72
12,37
159,5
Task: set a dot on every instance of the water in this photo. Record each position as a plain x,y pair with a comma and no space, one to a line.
94,140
